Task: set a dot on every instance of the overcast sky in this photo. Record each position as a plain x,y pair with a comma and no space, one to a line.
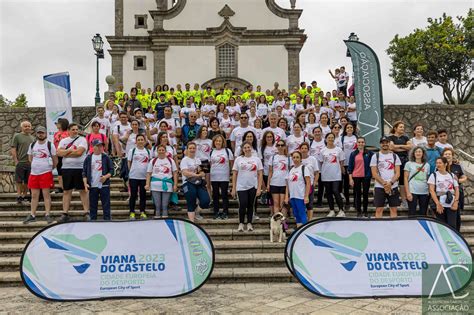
39,37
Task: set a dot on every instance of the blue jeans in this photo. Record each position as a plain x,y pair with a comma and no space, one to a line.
193,193
104,194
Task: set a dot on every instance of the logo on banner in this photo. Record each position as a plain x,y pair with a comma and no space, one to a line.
80,253
345,249
54,116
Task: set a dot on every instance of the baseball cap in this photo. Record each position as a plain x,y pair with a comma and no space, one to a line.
97,142
41,129
384,138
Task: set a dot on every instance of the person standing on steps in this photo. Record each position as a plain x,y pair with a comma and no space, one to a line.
73,150
278,167
456,168
385,166
96,173
42,156
138,159
19,151
119,138
298,188
62,124
312,169
332,167
360,176
194,186
349,145
416,174
247,181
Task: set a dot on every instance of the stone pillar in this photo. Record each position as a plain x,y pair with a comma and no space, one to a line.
293,65
117,66
118,17
159,64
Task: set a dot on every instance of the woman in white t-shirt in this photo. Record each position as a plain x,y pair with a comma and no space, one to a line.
316,146
278,167
312,165
131,135
323,123
247,178
349,145
296,138
352,111
250,137
418,138
204,147
226,123
162,181
138,159
267,151
444,186
311,124
222,160
193,178
163,138
332,166
298,188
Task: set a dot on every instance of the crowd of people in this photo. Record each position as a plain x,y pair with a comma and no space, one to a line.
284,150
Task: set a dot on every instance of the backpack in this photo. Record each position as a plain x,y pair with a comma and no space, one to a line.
153,162
32,145
133,153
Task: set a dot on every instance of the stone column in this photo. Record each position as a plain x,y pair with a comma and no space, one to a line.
159,64
118,17
293,65
117,66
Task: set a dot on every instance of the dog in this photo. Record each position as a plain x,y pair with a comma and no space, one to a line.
276,227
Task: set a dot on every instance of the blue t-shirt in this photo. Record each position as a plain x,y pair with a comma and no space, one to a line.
432,154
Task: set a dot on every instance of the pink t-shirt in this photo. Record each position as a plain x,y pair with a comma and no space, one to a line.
91,137
359,170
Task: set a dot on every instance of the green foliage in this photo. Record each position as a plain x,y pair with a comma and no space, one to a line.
20,101
439,55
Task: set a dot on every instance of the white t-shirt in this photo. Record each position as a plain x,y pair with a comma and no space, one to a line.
220,167
203,149
74,162
226,124
348,146
262,110
140,161
312,166
41,162
247,168
208,107
278,132
386,167
330,164
444,183
310,127
316,148
171,124
121,130
268,154
351,115
443,145
296,182
293,142
131,142
170,152
161,169
281,165
104,124
289,114
96,169
326,129
238,133
422,142
189,164
176,109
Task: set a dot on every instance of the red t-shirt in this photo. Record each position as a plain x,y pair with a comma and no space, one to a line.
91,137
58,136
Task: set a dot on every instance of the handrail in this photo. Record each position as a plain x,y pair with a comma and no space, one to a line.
387,123
466,155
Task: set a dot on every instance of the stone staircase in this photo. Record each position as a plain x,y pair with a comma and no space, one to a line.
240,257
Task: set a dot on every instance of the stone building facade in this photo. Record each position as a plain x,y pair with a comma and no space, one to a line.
206,42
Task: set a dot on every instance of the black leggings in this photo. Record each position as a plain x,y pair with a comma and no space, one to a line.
246,204
220,190
448,216
320,191
135,186
346,186
332,191
361,193
421,201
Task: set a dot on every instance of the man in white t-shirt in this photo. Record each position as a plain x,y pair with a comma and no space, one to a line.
443,140
238,132
277,131
104,122
42,156
73,150
385,166
119,139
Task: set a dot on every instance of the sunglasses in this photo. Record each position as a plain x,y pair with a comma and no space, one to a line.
336,127
280,145
244,118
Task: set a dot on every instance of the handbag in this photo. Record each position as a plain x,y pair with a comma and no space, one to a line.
196,180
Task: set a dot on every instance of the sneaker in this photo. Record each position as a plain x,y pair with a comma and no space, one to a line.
347,207
64,218
404,204
241,227
58,191
29,219
331,214
366,215
217,216
199,217
143,216
359,215
19,200
341,214
224,216
87,217
48,219
249,227
256,217
132,216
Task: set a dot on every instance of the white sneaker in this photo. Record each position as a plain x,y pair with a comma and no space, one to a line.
249,227
241,227
331,214
199,217
256,217
341,214
404,204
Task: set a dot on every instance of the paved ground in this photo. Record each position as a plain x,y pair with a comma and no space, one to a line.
279,298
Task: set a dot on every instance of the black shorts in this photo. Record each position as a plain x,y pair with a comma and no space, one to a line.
277,189
59,166
206,167
380,196
22,173
72,179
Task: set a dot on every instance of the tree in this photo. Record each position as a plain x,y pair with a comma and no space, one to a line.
20,101
439,55
4,102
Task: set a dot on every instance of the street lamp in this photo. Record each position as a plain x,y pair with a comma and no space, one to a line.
97,44
352,37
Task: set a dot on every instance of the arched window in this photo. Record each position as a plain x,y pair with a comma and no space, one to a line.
226,61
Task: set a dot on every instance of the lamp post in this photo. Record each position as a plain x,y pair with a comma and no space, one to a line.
352,37
97,44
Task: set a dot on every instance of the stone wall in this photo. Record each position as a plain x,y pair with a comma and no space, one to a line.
7,179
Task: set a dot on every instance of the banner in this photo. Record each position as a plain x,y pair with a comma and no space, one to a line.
368,92
355,258
57,92
99,260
